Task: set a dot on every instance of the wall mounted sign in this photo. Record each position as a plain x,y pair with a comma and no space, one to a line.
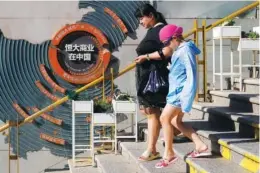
77,53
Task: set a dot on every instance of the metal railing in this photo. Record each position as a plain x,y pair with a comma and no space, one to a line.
204,29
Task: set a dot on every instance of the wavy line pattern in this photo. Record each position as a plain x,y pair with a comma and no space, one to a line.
20,63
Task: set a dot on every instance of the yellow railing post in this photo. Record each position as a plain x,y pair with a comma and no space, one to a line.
9,148
103,86
112,81
10,156
17,145
196,41
204,44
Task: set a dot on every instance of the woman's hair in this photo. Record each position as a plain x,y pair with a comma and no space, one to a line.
147,10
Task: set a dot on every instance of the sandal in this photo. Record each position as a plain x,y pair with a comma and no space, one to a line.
148,156
195,154
165,162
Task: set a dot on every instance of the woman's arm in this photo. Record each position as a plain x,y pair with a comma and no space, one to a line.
167,52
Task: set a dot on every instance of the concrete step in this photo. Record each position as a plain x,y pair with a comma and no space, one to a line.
212,164
250,85
132,151
57,167
245,153
111,163
241,101
245,123
83,168
57,171
230,144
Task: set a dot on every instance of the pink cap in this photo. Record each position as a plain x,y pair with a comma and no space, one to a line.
169,31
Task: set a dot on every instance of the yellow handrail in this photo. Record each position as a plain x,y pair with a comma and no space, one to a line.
128,68
231,16
189,33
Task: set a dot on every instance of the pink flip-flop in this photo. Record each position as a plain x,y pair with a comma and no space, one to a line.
196,154
164,163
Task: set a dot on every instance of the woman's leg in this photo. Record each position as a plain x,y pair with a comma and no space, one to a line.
153,122
168,113
188,131
153,115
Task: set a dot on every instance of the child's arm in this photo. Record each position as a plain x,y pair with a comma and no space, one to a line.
190,86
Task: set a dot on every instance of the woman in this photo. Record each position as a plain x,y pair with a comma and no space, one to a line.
150,103
182,90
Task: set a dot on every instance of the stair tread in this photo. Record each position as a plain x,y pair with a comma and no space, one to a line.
233,139
57,172
252,81
249,118
136,149
243,145
223,135
253,98
212,164
111,163
246,148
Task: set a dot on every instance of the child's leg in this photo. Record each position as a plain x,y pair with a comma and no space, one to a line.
176,132
166,117
188,131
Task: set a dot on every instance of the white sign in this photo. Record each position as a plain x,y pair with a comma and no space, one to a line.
79,56
79,48
82,47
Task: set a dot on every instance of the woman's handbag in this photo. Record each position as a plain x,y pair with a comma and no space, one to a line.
157,81
153,85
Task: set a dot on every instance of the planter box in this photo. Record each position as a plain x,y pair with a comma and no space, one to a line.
249,44
234,44
83,106
104,118
227,32
256,29
123,106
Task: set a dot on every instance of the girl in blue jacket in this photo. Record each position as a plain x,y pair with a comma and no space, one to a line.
182,90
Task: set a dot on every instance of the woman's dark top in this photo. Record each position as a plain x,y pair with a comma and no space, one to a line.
150,44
